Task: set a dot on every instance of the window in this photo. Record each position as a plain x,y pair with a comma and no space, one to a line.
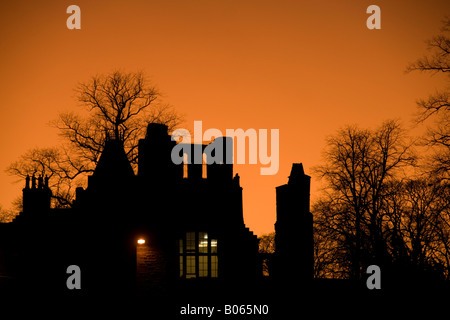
198,256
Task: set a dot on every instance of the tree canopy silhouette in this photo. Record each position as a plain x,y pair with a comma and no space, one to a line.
379,206
437,106
266,251
119,106
377,210
359,165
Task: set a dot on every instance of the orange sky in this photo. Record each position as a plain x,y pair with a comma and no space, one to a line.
303,67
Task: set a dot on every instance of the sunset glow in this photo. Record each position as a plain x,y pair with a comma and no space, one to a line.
305,68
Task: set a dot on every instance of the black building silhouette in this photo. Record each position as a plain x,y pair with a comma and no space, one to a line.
294,256
170,227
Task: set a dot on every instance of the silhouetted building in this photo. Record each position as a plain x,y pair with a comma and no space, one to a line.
294,256
171,226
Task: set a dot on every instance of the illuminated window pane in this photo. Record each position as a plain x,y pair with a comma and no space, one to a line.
180,246
198,255
203,266
181,267
213,245
190,242
190,267
214,267
203,242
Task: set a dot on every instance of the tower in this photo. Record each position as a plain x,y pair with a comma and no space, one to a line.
294,251
155,164
36,198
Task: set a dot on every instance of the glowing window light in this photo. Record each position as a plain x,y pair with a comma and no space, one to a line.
141,241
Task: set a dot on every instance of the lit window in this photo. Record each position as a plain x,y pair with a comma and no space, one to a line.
203,242
190,267
181,267
213,246
190,242
214,266
202,266
198,256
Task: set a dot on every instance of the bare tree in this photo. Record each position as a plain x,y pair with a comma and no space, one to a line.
65,173
6,215
437,106
266,251
376,210
442,251
331,259
119,106
416,225
359,165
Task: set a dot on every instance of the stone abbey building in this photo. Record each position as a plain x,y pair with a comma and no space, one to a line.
167,228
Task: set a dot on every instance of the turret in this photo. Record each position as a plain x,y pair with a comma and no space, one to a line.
294,251
155,163
113,169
